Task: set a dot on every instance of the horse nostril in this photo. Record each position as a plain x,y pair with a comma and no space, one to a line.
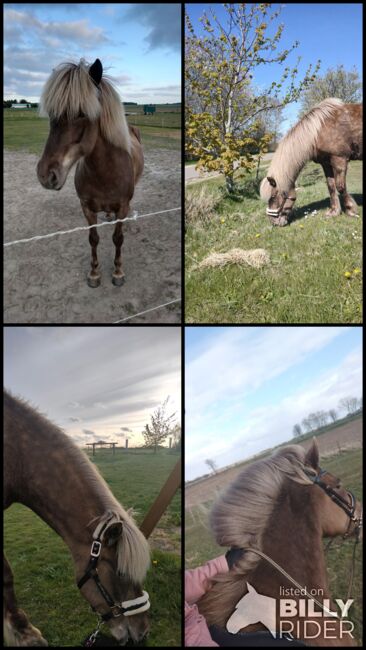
52,178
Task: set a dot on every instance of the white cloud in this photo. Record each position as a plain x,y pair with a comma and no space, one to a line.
221,382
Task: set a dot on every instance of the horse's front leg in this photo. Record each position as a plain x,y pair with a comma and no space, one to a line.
18,631
118,277
93,275
340,172
335,206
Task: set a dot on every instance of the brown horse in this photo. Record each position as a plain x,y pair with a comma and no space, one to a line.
281,508
331,135
88,124
45,471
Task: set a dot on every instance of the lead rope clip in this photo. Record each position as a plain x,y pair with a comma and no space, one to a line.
92,638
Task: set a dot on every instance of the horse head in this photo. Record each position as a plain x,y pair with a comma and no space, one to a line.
280,202
112,581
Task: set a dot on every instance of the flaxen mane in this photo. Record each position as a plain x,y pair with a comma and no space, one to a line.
70,92
240,516
297,147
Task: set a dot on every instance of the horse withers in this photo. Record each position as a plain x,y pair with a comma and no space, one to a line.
331,135
88,126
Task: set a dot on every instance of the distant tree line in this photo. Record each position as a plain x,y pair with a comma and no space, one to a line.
7,103
319,419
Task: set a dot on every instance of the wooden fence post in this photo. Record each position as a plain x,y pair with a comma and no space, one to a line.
162,501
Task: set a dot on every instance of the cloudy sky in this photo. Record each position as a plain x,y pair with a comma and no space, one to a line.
246,387
139,46
95,382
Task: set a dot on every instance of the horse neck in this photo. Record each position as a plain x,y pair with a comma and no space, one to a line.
62,488
293,539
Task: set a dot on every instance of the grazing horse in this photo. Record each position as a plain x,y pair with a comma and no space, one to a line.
331,135
47,472
88,125
274,516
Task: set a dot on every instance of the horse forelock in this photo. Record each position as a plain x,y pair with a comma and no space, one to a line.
70,91
265,190
132,549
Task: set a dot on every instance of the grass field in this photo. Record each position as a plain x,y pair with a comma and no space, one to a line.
200,547
305,281
43,568
25,130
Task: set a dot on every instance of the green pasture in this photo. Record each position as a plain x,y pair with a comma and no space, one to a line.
43,567
314,275
24,130
347,465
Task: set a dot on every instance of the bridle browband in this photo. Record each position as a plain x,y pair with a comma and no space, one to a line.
127,607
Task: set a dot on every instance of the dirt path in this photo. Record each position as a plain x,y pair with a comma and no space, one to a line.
193,174
45,281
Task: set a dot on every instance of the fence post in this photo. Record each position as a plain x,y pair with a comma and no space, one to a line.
162,501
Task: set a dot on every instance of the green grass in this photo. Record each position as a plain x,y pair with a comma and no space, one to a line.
43,567
24,130
305,281
200,546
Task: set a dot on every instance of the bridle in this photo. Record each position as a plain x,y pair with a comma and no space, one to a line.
275,212
348,508
125,608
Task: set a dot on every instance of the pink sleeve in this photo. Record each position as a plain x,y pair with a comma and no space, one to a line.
196,580
196,632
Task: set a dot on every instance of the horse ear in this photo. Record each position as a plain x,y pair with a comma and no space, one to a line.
312,455
96,71
113,533
271,181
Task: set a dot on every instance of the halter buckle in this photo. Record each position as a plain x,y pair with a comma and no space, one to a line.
95,549
118,612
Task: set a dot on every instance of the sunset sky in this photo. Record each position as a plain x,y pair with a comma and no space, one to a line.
96,382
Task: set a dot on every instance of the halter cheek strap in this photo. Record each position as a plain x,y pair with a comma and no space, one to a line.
127,607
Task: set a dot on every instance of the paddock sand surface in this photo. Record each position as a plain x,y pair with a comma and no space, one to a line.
348,435
45,281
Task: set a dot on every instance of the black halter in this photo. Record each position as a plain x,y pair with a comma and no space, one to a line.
128,607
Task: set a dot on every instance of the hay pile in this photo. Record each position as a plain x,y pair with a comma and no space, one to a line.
257,258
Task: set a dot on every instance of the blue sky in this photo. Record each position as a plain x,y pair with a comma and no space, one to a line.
96,382
330,32
246,387
139,45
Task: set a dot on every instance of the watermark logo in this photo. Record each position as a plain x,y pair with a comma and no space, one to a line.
292,616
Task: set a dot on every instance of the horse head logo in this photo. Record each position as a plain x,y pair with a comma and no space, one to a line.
253,608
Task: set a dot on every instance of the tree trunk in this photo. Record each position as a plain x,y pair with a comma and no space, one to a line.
230,185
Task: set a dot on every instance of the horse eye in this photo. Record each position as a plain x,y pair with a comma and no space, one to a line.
80,137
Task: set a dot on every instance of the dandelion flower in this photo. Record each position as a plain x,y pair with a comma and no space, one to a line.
222,220
347,274
258,234
356,271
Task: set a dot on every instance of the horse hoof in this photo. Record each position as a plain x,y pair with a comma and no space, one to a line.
118,280
93,281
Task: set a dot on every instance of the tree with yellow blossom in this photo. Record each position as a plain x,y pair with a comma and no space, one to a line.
223,111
